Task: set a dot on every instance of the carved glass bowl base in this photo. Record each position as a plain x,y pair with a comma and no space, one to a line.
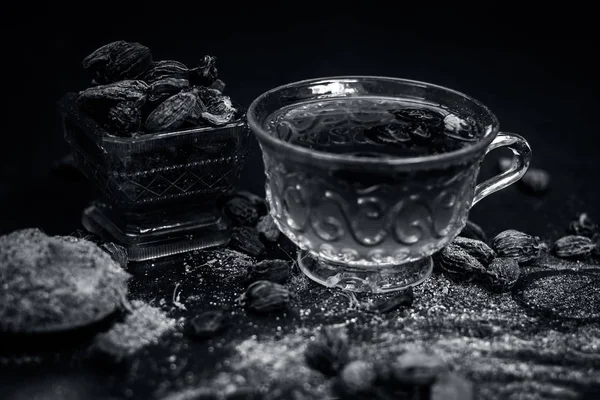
157,233
373,280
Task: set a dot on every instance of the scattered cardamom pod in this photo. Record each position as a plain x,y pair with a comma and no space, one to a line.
247,240
164,69
478,249
265,296
267,228
125,117
207,324
535,181
172,113
127,90
584,226
404,298
356,379
457,263
451,386
574,246
517,245
502,273
473,231
328,352
417,368
117,61
205,73
277,271
241,211
164,88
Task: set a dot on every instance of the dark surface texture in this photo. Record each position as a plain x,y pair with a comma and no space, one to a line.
536,70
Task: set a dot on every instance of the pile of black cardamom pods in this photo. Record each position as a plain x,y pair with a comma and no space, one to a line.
132,94
497,265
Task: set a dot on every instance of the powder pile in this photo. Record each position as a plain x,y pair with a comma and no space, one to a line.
142,327
55,283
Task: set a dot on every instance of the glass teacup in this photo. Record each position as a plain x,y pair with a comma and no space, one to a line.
367,213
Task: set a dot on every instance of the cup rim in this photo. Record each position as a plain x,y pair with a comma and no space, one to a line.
346,159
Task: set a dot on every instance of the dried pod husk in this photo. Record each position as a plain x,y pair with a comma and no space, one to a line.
247,240
574,246
584,226
241,211
458,264
117,61
207,324
164,88
518,245
264,296
125,118
414,368
218,108
172,113
267,228
164,69
478,249
277,271
402,299
328,353
205,73
473,231
535,181
502,274
356,379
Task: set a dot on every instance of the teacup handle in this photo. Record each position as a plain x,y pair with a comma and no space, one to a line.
520,162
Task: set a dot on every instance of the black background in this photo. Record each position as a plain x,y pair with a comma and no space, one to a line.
533,64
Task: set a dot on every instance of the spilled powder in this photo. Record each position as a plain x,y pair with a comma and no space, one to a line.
142,327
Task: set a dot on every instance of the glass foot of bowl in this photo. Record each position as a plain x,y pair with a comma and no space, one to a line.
157,234
373,280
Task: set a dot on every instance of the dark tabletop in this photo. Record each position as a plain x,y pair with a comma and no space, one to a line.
538,76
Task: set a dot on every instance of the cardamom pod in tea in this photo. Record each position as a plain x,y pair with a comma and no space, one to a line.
502,273
328,352
264,296
164,88
277,271
117,61
573,246
172,113
457,263
478,249
166,69
267,228
126,90
125,117
517,245
205,73
473,231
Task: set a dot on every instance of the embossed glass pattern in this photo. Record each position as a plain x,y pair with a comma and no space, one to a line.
368,217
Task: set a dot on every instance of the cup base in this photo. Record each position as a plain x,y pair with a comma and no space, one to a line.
372,280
